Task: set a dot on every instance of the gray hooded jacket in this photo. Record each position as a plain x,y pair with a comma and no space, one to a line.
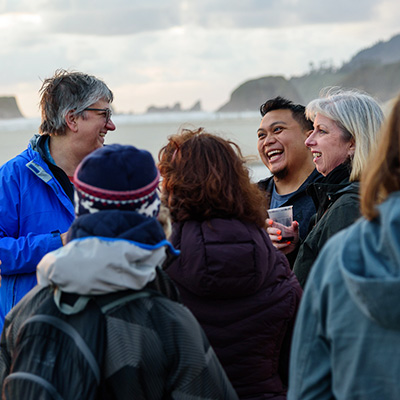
346,343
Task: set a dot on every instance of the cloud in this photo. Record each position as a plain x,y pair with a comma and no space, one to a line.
101,17
160,51
116,21
125,17
276,13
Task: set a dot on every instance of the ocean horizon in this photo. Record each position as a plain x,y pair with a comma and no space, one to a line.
151,131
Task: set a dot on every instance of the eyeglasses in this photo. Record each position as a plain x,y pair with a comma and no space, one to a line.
107,112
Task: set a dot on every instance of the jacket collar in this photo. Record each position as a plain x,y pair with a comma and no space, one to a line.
331,187
267,185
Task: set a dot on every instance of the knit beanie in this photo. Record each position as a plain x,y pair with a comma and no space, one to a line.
117,177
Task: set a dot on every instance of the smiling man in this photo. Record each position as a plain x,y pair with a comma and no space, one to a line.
36,196
281,136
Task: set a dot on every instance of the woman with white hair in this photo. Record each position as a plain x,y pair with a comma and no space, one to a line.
346,125
347,336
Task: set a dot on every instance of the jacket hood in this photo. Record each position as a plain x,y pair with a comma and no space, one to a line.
370,264
123,254
117,224
38,144
34,140
224,258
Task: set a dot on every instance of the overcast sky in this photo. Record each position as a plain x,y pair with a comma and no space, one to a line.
159,52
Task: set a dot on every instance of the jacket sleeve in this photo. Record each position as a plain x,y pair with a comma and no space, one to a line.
19,254
343,213
310,368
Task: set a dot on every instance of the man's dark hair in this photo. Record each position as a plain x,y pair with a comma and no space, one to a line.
280,103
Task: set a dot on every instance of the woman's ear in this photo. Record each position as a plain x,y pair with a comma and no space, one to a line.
352,148
71,120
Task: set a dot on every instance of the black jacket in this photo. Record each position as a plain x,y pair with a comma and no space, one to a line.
241,290
338,206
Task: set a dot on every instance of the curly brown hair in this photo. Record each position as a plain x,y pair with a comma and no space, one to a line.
205,177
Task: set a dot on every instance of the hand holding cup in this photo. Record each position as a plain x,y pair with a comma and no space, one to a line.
282,230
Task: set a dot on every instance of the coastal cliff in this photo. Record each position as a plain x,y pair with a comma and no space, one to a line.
250,95
9,108
375,70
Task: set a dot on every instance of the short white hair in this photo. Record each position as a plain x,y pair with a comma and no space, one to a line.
357,114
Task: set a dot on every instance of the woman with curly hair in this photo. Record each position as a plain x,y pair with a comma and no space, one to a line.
239,287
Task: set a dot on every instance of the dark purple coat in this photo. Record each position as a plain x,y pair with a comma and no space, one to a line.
243,293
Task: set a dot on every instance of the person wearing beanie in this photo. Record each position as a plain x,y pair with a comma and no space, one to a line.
128,182
153,346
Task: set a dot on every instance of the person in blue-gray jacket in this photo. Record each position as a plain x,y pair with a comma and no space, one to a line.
346,342
36,196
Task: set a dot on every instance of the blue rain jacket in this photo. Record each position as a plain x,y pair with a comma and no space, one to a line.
34,210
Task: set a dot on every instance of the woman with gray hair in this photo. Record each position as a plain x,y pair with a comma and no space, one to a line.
36,196
346,125
351,354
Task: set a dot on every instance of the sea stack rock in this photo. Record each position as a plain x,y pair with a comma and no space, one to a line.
9,108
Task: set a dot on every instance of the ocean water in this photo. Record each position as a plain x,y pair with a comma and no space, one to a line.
151,131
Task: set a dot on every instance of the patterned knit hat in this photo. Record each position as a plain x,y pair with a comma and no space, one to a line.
117,177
